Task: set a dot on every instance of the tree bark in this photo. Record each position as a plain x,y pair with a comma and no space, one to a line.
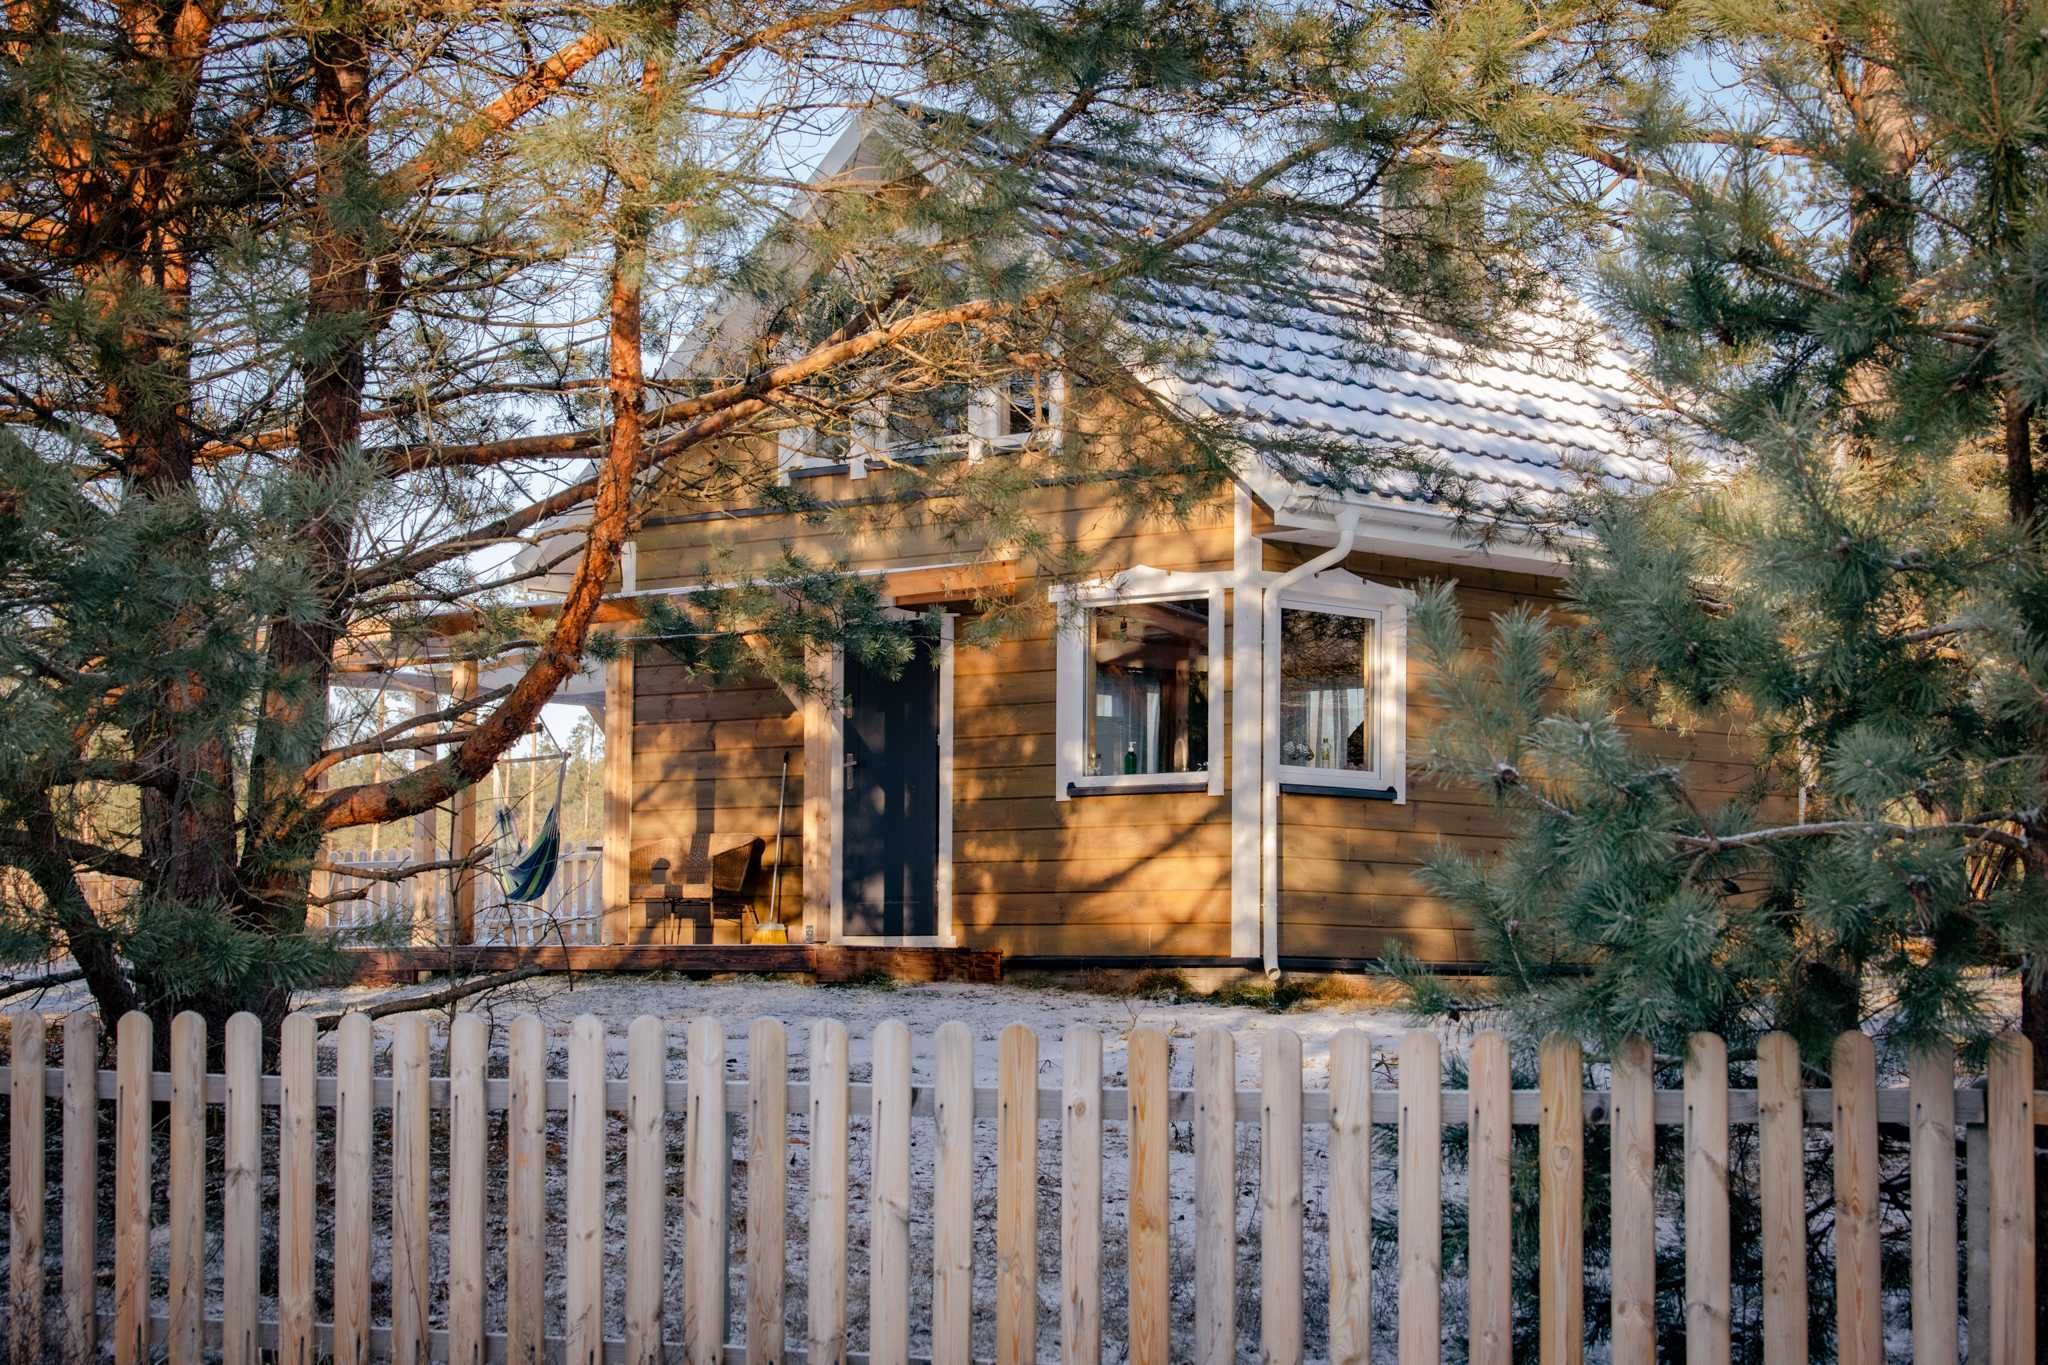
279,842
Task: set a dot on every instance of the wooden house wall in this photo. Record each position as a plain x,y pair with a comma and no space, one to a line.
1112,876
709,760
1348,887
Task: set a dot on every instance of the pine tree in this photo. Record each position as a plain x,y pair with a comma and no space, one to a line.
1830,254
312,312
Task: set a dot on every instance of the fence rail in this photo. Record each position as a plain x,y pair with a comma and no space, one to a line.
1995,1123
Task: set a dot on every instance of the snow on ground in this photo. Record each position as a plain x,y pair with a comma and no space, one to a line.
986,1010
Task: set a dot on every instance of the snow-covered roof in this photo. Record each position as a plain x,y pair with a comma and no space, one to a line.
1316,358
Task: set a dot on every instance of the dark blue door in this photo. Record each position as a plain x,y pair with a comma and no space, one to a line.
892,800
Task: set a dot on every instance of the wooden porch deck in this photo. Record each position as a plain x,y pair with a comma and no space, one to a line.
825,962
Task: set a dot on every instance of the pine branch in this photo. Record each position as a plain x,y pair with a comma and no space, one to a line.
432,1000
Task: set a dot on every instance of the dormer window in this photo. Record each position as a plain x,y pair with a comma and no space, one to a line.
1024,405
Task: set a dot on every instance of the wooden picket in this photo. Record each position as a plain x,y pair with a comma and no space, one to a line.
1706,1202
374,1117
1632,1234
1419,1326
25,1191
1489,1292
1781,1191
1561,1152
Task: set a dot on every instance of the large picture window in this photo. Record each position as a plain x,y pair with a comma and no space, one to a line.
1148,687
1138,685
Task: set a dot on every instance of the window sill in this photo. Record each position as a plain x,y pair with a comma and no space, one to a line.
1196,782
1354,793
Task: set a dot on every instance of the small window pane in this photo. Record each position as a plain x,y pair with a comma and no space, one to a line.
1148,688
1325,692
927,418
1025,403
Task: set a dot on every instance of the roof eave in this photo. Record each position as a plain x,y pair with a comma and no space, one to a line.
1307,515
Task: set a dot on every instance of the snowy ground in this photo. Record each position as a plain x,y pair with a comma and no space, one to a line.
986,1010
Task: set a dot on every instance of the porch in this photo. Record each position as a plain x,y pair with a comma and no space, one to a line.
685,785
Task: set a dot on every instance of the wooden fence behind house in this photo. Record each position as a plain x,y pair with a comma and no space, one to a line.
1996,1124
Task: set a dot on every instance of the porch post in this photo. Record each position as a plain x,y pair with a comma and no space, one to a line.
822,778
1247,731
618,797
462,834
426,884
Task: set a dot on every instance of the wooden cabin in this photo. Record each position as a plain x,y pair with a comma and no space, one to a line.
1201,749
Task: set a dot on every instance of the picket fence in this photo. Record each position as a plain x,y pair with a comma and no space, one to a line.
1996,1120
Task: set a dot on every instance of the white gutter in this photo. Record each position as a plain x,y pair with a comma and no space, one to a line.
1269,821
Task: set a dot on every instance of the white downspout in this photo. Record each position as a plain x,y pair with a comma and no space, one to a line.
1269,804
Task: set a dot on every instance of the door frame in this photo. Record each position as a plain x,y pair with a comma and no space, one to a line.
942,875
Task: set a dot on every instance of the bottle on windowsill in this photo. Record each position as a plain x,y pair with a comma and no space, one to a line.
1131,757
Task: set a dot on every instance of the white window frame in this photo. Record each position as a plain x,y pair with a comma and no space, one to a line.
1141,583
985,407
1339,592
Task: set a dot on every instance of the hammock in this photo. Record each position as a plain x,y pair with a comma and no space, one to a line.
528,879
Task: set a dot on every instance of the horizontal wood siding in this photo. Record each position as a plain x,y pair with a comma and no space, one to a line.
1348,887
1122,875
709,760
1099,876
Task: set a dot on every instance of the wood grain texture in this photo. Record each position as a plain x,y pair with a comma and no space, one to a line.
1421,1225
134,1044
25,1188
1781,1182
1215,1229
412,1257
767,1186
81,1186
1561,1152
355,1101
1280,1197
2010,1129
1931,1083
825,1324
295,1189
953,1196
1081,1198
1977,1242
1146,1061
646,1185
526,1210
889,1196
1707,1266
468,1131
583,1197
1859,1309
1017,1197
241,1231
707,1233
1350,1197
187,1173
1632,1156
1490,1226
